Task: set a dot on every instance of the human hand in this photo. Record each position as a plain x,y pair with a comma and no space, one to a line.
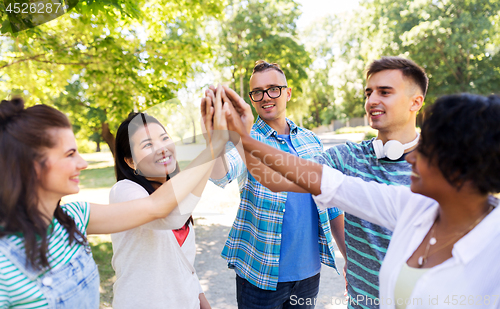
346,295
213,112
241,107
236,124
210,97
207,113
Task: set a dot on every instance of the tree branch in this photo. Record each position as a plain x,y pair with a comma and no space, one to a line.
45,61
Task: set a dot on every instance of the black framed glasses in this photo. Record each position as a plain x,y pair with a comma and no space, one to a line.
272,92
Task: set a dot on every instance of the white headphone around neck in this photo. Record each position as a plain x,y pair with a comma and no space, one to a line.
392,149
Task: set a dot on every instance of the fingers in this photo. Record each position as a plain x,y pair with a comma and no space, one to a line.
238,103
224,96
225,112
203,107
208,115
234,122
216,97
232,119
218,106
208,101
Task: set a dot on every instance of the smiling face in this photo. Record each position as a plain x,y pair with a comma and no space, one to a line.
270,109
153,152
426,177
63,163
391,101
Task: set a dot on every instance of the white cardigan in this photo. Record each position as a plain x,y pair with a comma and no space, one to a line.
152,270
471,278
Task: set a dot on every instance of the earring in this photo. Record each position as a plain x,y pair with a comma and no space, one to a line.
136,172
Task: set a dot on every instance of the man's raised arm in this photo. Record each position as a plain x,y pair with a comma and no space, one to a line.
302,172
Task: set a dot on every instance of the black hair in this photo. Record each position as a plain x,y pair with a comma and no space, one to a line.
461,133
123,151
24,135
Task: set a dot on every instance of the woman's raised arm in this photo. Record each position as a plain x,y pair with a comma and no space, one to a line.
118,217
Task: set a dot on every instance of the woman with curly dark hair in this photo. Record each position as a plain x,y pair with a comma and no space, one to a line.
45,260
444,250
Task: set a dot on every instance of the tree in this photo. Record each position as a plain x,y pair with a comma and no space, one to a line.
124,54
263,29
334,89
86,120
457,42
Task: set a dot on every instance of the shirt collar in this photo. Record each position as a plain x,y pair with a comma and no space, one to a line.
472,244
262,127
427,217
480,237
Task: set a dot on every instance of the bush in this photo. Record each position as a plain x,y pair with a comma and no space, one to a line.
86,146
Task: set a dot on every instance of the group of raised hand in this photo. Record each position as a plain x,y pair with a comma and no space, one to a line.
222,109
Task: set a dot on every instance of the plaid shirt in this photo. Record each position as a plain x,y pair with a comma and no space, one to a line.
254,242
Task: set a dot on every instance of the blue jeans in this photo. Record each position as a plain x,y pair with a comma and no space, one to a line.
296,294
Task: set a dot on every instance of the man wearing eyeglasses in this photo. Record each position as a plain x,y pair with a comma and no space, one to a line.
279,239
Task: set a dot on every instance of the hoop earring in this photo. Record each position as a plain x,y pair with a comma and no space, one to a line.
136,172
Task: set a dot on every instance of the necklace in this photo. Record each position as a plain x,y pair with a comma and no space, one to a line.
432,240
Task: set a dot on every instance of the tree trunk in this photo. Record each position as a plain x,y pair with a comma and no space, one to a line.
234,79
108,137
97,147
241,84
194,130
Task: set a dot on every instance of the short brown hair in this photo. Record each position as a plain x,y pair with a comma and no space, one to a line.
262,66
407,67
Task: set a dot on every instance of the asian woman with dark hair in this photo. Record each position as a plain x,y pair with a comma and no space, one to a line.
153,262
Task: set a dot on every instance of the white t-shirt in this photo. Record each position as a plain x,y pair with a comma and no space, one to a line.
469,279
152,270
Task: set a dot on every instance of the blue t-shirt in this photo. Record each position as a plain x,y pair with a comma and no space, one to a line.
299,256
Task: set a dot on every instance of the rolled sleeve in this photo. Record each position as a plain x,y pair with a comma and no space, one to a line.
236,167
334,212
221,182
331,180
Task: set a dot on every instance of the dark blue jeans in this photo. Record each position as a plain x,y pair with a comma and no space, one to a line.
296,294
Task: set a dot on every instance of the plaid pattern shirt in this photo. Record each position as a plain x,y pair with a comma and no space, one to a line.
254,242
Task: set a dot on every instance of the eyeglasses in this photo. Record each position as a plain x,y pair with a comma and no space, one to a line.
272,92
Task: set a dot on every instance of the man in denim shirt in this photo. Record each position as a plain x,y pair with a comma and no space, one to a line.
278,239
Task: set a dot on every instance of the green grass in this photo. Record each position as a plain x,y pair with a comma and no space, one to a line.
95,162
104,177
94,178
102,250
